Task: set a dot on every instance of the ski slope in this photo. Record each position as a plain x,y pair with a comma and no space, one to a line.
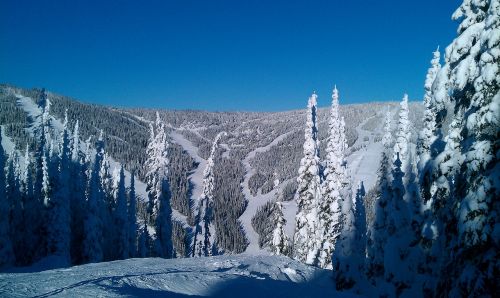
254,202
222,276
363,164
196,177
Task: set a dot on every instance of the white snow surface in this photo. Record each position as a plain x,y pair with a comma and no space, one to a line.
221,276
7,144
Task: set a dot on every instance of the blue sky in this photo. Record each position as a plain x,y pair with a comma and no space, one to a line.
222,55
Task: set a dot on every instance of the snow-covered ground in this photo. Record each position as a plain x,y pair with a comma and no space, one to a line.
222,276
7,144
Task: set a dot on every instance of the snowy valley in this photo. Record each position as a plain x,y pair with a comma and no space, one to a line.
381,199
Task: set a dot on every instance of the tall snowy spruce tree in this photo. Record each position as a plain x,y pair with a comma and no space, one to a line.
160,211
78,185
308,191
387,138
59,221
435,188
470,158
31,211
427,136
14,198
7,257
332,187
106,180
403,134
280,244
132,219
399,262
350,249
422,226
204,243
120,216
93,222
42,183
42,144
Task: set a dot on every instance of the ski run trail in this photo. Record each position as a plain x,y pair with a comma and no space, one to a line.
363,164
254,202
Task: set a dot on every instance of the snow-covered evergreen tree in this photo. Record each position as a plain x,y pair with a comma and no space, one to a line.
387,138
59,221
204,241
143,243
7,257
471,152
360,213
106,179
46,175
43,183
14,198
26,177
121,246
280,244
350,249
333,186
399,265
93,224
75,143
32,214
132,218
79,165
428,134
402,145
160,211
434,188
308,191
414,200
108,204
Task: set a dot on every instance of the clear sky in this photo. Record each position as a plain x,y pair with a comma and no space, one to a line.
222,55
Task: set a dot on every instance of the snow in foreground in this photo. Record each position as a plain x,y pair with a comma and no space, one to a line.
222,276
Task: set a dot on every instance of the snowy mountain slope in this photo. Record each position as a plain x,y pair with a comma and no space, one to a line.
266,146
222,276
34,112
363,164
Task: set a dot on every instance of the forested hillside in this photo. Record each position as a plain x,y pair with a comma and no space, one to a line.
190,135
